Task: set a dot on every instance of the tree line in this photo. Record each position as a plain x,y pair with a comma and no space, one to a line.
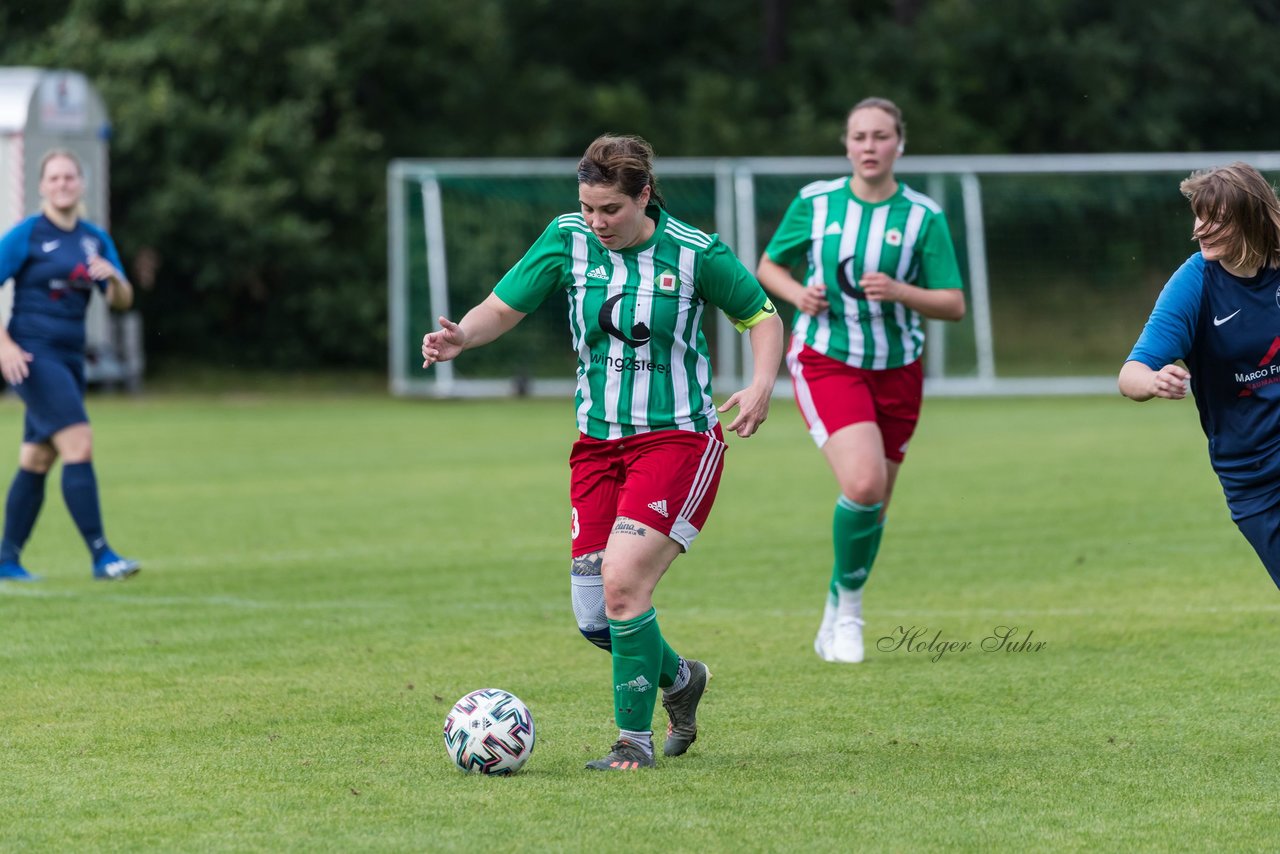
251,137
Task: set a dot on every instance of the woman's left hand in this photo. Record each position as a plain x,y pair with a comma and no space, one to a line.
102,270
753,409
879,287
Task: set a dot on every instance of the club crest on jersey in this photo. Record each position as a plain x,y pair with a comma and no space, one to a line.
668,281
1278,296
893,237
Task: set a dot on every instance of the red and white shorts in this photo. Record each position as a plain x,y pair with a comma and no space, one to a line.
832,395
666,480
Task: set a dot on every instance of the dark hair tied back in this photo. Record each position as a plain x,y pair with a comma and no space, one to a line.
625,162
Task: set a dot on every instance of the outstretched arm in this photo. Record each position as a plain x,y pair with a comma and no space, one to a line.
487,322
1139,382
753,401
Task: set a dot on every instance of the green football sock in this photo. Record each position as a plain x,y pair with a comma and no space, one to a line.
640,656
670,666
855,532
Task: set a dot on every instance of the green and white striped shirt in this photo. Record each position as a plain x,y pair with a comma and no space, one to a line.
840,238
636,316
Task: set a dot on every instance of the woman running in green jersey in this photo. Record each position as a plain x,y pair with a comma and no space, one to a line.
646,466
877,258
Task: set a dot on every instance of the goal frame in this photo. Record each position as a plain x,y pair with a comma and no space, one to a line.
735,205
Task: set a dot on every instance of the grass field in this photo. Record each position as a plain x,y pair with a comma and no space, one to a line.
323,577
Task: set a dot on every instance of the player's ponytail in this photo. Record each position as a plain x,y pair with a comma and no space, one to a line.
625,162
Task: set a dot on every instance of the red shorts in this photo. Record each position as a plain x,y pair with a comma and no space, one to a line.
832,395
666,480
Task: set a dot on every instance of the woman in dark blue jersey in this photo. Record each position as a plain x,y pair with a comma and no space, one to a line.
1220,315
55,259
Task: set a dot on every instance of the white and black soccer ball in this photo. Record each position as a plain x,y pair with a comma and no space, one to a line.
489,732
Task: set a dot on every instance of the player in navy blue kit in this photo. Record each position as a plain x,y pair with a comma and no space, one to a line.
55,260
1220,315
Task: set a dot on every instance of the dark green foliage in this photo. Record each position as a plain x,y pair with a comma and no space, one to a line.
252,138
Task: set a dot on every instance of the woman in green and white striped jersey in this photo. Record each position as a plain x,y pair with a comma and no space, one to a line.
877,258
647,463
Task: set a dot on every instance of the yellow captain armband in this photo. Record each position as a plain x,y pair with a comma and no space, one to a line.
765,312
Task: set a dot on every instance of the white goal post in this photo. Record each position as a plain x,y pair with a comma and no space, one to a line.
1062,256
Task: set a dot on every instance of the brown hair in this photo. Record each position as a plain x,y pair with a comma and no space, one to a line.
886,105
1236,205
625,162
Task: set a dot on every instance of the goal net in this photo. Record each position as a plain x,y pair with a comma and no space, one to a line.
1062,256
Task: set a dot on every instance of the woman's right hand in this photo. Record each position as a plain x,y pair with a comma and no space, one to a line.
812,300
13,362
779,282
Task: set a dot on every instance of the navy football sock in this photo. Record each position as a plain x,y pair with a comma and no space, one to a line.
26,496
80,491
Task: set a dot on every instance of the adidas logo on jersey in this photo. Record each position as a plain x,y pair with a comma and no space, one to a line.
834,228
639,685
598,273
660,507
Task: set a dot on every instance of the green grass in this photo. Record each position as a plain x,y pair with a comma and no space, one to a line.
324,576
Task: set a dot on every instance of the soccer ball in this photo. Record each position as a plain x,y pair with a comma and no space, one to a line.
489,731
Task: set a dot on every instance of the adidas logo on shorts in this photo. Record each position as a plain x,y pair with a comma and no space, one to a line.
660,507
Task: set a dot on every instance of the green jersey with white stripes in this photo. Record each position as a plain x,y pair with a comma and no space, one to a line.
839,238
636,317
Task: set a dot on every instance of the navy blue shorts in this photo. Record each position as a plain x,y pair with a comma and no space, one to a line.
53,392
1262,530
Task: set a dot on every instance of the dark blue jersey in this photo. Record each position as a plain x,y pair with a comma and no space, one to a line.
1227,331
52,287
